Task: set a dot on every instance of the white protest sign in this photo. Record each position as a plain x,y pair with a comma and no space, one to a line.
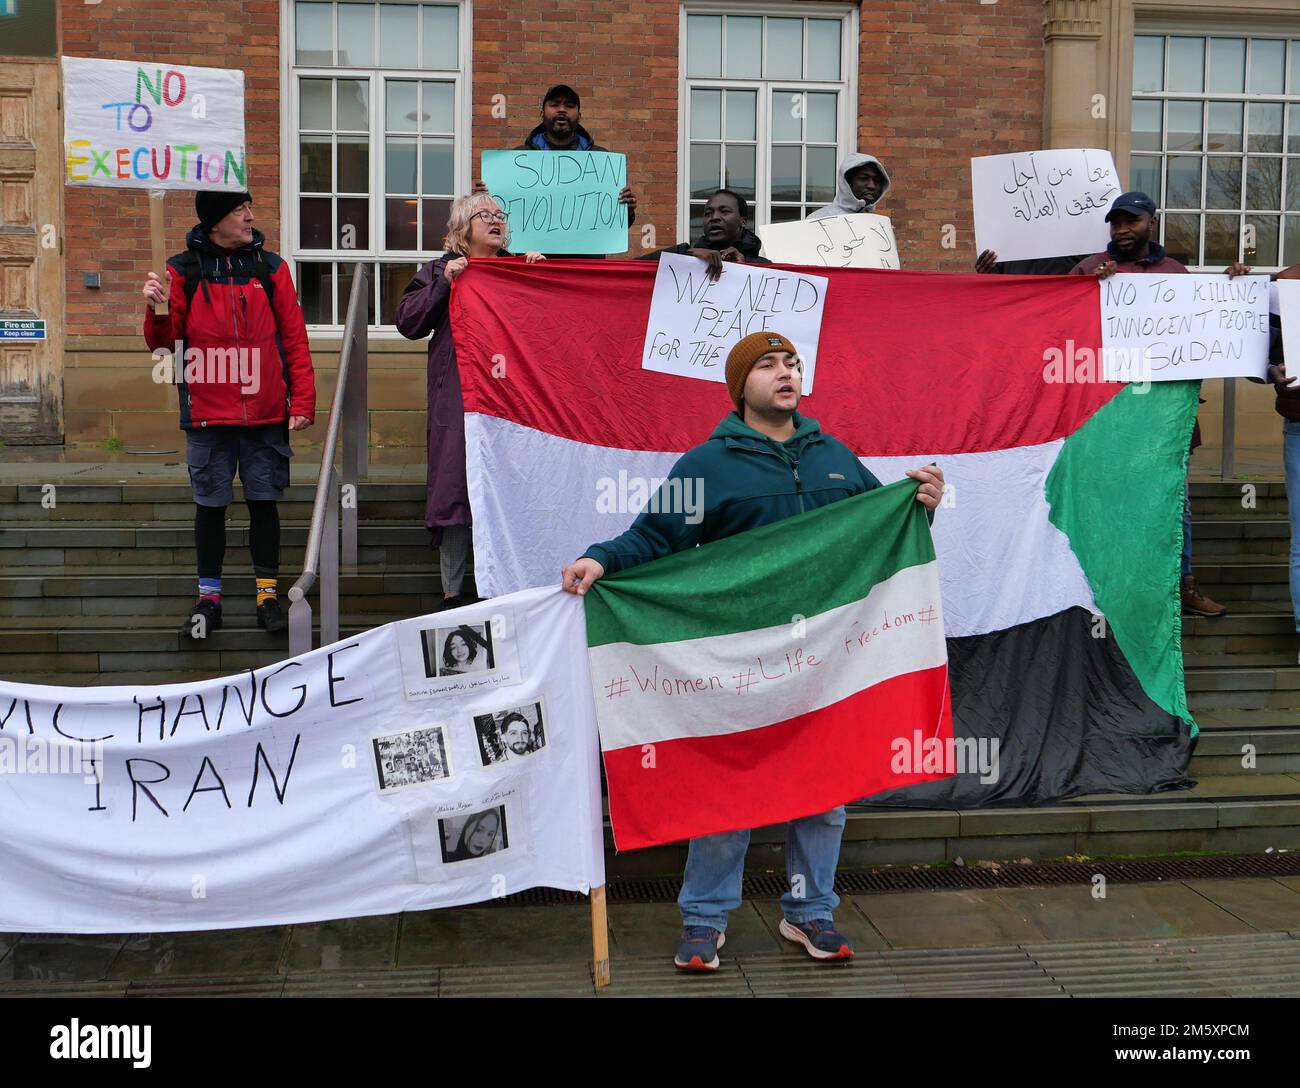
694,322
1043,203
835,241
153,125
1183,328
308,789
1288,308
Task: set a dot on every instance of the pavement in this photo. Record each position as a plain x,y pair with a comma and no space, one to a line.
1178,938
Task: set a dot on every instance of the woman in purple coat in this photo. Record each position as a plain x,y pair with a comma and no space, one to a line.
477,228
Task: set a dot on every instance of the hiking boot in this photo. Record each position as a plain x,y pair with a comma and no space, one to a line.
205,617
820,939
1196,601
698,948
271,618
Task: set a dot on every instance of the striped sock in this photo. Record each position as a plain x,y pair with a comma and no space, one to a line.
266,590
210,589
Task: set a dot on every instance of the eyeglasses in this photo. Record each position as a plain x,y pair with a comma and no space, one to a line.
491,217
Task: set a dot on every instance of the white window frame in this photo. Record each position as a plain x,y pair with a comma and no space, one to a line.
290,161
846,87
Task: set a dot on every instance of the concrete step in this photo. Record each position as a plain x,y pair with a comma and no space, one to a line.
179,558
1227,752
1265,535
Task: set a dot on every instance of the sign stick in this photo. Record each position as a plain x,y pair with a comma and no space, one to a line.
158,243
599,938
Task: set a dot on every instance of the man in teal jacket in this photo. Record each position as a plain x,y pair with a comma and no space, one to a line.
764,462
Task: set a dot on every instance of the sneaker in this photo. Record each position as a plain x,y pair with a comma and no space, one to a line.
820,939
204,617
271,617
698,949
1196,601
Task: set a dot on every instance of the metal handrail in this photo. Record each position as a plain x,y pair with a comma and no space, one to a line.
348,413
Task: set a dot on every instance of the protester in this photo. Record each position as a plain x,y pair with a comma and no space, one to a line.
726,236
861,182
988,261
230,298
476,228
763,463
1287,384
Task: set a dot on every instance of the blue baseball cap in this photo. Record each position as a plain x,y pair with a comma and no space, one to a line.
1135,203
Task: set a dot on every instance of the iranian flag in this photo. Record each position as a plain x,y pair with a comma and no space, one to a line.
732,692
1057,545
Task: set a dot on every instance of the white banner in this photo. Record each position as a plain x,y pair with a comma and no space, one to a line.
1287,294
438,761
153,125
836,241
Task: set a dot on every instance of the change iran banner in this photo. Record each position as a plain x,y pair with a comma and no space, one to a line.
1058,542
441,760
153,125
773,674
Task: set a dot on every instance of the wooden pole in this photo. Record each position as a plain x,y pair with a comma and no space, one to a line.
599,938
158,243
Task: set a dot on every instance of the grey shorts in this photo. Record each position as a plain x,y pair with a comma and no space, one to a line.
260,454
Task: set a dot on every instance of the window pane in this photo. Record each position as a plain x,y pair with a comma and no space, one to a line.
1295,72
786,173
1265,238
400,222
314,215
354,105
1222,239
787,214
696,229
821,174
786,119
742,109
315,292
784,49
706,115
400,176
1293,185
1293,126
345,276
316,158
403,94
393,279
706,169
314,106
821,127
1182,237
1291,241
1267,67
1264,131
1264,184
1184,181
704,45
1223,183
740,169
744,47
314,36
1225,126
441,40
1146,125
399,38
1186,64
357,34
436,213
1148,62
1144,176
1227,65
823,49
439,167
439,108
1184,126
354,223
354,164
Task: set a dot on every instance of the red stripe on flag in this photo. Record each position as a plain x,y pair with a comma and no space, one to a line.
680,789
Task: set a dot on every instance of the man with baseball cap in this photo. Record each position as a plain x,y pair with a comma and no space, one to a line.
245,378
763,462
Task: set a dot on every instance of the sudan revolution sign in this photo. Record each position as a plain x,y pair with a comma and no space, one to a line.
1058,542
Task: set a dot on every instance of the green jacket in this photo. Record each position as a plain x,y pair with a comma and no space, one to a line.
739,479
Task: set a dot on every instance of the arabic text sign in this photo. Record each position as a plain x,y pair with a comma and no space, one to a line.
1043,203
836,241
1183,328
152,125
560,201
694,323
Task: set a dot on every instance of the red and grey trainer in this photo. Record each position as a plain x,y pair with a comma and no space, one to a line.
819,937
698,948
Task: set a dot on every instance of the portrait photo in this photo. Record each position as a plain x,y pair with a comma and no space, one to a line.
513,733
473,836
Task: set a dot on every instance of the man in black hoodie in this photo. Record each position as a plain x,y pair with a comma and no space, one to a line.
726,237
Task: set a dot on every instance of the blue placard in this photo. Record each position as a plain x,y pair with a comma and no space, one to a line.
22,330
560,201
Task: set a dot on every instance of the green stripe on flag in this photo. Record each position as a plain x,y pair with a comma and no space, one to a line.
801,566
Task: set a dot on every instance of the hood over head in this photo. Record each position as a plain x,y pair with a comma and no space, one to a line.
845,202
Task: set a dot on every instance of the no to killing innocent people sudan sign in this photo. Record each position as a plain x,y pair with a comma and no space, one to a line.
441,760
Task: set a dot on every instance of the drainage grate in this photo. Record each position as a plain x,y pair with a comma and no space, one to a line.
1007,875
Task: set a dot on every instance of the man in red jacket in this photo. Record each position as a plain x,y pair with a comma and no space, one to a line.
244,373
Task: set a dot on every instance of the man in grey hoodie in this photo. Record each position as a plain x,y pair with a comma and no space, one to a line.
861,182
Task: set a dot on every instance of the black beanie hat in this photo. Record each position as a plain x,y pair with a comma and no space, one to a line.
214,206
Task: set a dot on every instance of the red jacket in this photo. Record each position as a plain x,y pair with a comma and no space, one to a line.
244,364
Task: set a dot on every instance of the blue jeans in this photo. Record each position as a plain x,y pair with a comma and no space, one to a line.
1187,530
1291,458
715,864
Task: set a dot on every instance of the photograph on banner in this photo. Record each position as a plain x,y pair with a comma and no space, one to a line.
1183,328
412,757
694,322
861,240
483,833
153,125
511,734
1043,203
560,201
440,656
